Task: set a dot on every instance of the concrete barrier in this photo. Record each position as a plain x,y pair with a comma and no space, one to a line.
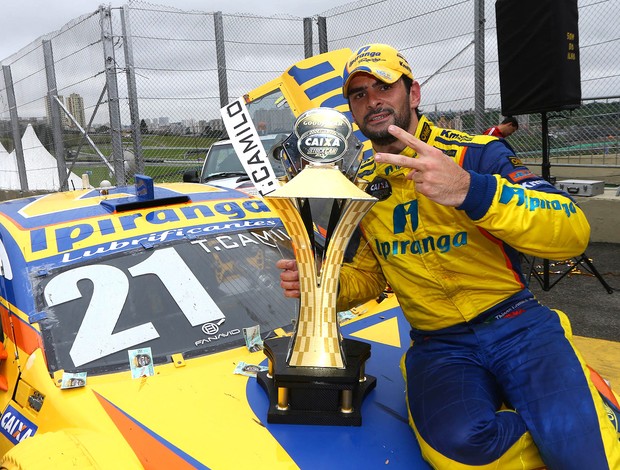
603,212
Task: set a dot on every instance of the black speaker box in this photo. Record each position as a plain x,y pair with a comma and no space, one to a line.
538,50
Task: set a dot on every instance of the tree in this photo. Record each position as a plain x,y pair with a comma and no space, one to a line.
144,129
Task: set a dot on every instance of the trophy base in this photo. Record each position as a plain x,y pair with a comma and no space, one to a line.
316,395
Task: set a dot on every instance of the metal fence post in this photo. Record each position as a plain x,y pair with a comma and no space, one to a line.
52,91
221,57
17,138
113,100
479,81
322,24
132,92
308,49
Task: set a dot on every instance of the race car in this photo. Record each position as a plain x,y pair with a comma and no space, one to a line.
222,167
123,318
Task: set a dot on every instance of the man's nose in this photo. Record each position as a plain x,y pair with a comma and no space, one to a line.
374,100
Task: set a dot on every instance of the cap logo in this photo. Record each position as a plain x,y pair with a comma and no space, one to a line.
404,64
381,73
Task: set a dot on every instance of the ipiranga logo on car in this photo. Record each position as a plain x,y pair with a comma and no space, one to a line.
200,218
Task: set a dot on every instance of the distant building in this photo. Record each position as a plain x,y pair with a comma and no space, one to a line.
75,105
48,111
216,125
190,125
176,128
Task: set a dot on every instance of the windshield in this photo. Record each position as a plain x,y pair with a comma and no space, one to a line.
192,297
273,120
222,161
271,114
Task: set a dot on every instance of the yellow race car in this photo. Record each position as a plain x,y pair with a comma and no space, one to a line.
123,319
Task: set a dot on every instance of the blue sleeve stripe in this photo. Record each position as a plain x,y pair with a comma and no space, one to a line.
482,189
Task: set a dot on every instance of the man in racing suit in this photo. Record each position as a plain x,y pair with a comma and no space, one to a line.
490,369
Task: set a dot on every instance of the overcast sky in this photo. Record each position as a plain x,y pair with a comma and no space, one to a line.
26,20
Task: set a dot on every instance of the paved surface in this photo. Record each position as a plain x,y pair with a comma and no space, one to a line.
593,312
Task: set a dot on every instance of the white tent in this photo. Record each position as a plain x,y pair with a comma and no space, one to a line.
41,167
9,178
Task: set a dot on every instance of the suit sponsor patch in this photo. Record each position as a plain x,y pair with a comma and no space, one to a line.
425,133
520,175
379,188
515,161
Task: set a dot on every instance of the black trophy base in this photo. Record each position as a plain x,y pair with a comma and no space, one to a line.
316,395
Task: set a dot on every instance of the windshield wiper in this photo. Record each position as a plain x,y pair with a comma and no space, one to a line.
227,174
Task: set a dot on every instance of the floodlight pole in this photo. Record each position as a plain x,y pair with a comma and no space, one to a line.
107,39
132,91
220,54
308,52
56,120
17,137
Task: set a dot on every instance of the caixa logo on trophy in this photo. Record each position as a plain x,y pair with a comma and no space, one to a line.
317,377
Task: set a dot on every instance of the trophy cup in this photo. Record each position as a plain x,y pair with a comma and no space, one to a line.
316,376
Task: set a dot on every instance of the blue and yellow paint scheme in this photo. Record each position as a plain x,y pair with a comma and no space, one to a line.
193,412
311,83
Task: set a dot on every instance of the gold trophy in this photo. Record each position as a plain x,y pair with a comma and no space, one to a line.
316,376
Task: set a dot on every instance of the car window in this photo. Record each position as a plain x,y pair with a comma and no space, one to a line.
271,113
222,161
192,297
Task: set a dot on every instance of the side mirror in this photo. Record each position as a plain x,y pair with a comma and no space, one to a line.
191,176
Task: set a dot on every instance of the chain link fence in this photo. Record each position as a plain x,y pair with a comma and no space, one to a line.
139,88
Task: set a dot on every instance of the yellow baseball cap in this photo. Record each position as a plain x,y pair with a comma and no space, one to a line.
380,60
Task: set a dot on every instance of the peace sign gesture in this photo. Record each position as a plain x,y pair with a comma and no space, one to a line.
436,176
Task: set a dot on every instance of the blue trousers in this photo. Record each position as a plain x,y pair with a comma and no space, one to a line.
518,355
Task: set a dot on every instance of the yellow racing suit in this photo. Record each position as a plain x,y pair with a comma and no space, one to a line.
480,338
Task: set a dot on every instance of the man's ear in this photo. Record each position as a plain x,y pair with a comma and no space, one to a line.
414,95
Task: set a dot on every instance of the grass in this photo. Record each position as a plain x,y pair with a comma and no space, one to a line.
159,173
154,147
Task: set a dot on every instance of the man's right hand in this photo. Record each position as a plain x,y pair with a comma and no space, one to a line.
289,277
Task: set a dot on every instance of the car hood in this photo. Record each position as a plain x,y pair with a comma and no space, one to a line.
198,414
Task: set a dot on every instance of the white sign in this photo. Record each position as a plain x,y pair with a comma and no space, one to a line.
248,146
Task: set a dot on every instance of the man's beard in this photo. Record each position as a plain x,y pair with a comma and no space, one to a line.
383,137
